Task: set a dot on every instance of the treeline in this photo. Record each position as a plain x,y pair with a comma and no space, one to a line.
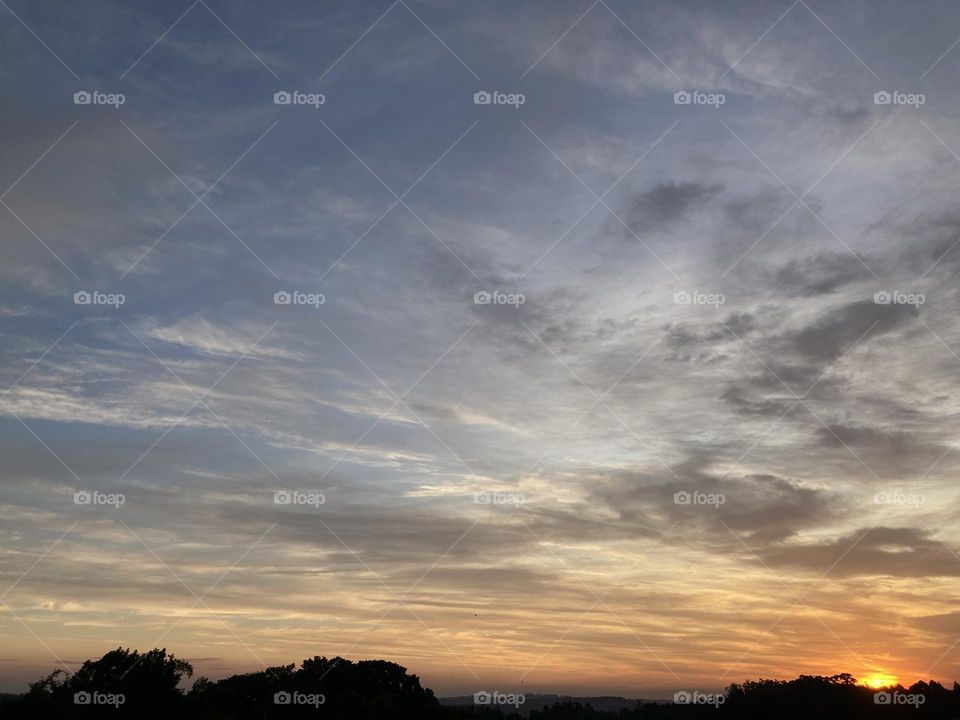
837,697
127,684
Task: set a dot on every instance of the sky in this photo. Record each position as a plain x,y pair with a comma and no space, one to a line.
637,378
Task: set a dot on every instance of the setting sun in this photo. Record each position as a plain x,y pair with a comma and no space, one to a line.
880,680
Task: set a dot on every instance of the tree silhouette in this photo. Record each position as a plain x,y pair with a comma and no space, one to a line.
367,689
121,684
339,689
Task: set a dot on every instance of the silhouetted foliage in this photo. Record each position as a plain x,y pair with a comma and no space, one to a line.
148,685
365,689
124,684
837,697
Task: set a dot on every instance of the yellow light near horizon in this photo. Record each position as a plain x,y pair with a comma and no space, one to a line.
880,680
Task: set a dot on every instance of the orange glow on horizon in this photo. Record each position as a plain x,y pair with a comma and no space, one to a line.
880,680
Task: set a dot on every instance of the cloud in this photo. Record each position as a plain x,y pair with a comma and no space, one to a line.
837,330
879,551
944,623
759,508
820,274
667,203
204,336
891,450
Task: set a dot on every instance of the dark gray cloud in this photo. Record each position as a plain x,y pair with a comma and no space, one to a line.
882,551
758,508
838,329
820,274
668,202
891,450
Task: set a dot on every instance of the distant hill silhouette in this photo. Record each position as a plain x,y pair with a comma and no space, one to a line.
127,684
539,701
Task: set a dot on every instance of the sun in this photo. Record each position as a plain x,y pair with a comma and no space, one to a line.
880,680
